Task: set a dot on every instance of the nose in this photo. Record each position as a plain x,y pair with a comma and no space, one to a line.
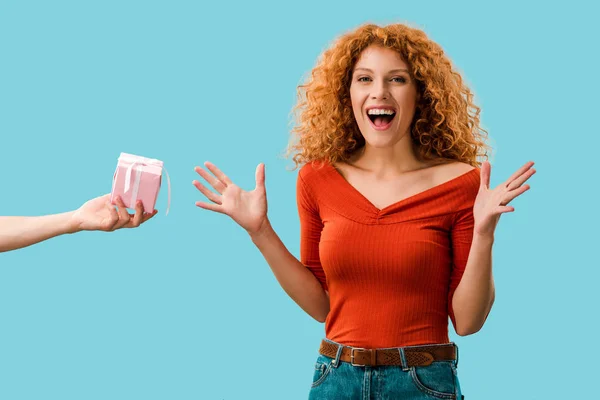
380,91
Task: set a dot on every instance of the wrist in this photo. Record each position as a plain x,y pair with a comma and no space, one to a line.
483,239
263,231
71,224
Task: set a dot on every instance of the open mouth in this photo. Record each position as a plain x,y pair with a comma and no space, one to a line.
381,118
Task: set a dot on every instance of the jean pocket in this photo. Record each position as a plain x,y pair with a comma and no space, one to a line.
322,369
435,380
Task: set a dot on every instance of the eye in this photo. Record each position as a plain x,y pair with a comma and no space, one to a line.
399,79
364,79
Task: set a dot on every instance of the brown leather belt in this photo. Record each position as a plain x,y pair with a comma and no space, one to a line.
416,356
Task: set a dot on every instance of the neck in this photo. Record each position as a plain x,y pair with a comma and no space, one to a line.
388,162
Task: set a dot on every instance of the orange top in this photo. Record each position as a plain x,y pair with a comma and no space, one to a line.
390,272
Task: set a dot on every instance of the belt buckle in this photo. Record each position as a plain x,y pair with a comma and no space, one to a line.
352,356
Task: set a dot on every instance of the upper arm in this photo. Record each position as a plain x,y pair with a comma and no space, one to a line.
461,236
311,226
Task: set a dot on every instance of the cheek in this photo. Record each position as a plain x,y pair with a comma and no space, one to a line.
407,100
357,102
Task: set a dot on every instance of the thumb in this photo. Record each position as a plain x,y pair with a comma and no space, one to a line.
260,176
485,174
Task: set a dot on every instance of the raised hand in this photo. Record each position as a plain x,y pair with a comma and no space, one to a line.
247,208
99,214
491,203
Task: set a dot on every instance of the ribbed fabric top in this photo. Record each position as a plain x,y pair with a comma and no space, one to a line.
391,273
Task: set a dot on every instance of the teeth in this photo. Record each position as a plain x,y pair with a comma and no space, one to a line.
380,111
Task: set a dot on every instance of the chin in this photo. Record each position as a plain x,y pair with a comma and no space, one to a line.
380,140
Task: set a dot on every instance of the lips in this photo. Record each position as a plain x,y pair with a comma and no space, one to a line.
381,117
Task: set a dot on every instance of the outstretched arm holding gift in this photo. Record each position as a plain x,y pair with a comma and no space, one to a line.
95,215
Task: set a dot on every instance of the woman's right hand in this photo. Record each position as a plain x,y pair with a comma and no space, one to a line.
247,208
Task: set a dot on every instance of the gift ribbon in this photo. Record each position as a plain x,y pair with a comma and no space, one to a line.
136,184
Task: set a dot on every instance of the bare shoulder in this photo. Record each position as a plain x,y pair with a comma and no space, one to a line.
343,168
448,171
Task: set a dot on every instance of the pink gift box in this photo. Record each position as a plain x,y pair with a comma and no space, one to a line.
138,178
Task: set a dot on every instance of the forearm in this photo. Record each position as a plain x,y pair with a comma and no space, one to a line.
295,279
18,232
474,296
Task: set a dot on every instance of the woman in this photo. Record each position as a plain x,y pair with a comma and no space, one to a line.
95,215
397,217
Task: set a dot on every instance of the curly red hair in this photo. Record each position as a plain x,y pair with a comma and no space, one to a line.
446,121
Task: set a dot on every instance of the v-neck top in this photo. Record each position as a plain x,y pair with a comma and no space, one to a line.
390,272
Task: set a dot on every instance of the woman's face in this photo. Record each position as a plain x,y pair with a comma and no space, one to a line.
383,96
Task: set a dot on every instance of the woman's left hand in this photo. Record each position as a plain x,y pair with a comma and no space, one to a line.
491,203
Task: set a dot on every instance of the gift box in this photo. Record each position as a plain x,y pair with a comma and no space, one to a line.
138,178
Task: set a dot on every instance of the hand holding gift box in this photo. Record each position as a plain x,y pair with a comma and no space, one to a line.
138,178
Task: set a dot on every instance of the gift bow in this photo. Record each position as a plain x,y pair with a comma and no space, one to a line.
136,185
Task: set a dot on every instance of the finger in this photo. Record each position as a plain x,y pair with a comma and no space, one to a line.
147,216
123,214
214,182
139,214
208,193
260,176
113,216
485,173
209,206
510,196
218,173
519,172
504,209
521,179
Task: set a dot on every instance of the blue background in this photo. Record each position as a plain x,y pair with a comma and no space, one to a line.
185,307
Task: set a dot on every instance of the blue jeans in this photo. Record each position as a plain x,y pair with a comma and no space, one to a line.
338,380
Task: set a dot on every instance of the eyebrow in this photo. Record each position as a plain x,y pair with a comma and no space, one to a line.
392,71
